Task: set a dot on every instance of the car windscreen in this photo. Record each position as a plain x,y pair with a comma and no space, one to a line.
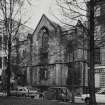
31,89
101,91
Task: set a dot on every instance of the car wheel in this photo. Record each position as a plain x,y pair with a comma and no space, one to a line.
87,101
17,95
32,97
65,100
25,95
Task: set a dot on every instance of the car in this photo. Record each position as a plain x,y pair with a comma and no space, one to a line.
3,94
13,92
25,91
58,93
100,96
31,92
21,91
18,91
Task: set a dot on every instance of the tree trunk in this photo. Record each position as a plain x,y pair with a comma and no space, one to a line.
73,69
9,66
8,26
91,63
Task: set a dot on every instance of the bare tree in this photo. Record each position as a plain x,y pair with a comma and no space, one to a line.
83,10
11,14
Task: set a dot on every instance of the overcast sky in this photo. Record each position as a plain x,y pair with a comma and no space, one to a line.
49,8
38,8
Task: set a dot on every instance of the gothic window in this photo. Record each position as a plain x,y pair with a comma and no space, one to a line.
44,45
44,53
45,39
43,73
24,53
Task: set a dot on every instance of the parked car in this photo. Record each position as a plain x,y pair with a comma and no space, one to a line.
58,93
26,92
13,92
100,96
21,91
31,92
3,94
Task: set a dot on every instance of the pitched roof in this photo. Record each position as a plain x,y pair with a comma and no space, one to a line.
53,24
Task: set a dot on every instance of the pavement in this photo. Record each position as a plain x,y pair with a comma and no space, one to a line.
28,101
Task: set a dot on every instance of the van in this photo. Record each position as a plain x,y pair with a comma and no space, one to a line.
58,93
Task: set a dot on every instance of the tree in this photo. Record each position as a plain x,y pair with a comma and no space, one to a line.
11,14
72,44
82,10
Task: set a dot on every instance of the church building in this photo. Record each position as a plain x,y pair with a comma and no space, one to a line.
57,58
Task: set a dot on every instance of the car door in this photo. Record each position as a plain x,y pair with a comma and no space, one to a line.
50,94
13,92
100,98
63,94
20,92
69,94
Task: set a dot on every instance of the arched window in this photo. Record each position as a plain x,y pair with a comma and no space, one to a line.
43,72
44,45
45,38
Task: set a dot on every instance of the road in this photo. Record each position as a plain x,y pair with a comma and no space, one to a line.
28,101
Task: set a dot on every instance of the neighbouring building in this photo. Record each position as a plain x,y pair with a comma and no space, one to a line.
99,38
20,53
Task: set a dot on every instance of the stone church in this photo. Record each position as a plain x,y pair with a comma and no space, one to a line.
59,55
53,56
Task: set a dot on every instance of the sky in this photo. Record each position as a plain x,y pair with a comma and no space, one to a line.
47,7
37,9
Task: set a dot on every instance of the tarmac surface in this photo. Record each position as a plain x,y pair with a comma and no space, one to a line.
28,101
